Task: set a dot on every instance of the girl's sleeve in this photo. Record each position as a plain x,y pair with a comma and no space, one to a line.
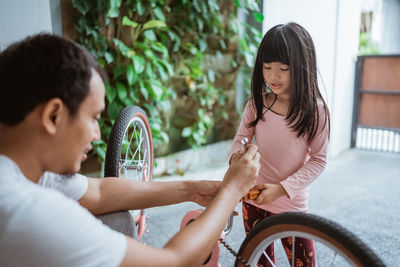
249,115
310,171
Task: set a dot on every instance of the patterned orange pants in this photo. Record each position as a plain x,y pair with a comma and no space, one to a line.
304,249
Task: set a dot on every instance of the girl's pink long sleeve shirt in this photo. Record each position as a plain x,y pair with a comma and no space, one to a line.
285,158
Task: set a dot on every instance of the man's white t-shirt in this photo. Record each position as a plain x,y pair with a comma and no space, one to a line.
40,226
74,186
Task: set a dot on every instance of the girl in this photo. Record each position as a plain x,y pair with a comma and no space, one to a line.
289,121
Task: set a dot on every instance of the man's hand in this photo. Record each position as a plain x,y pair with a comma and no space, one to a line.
270,193
243,171
204,191
236,156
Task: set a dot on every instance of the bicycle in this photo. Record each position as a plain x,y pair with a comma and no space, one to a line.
130,155
335,245
131,132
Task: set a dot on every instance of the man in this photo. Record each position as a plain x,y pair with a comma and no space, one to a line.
51,96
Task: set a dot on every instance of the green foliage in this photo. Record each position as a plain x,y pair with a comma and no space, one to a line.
367,46
145,45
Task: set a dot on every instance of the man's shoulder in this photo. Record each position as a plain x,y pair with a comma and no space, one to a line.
41,221
16,195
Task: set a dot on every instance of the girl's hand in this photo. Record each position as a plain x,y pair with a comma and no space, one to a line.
270,193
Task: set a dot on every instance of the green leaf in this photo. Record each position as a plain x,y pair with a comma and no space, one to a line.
159,13
162,72
121,91
160,48
237,3
109,57
168,66
138,63
243,44
234,63
81,6
249,59
100,152
125,50
127,22
164,137
222,43
186,132
202,45
200,112
139,8
153,24
200,24
113,110
258,16
252,5
144,92
156,90
113,10
211,75
118,70
101,62
127,101
150,35
113,13
131,75
196,5
111,93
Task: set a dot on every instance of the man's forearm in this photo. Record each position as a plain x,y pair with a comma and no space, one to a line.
114,194
205,230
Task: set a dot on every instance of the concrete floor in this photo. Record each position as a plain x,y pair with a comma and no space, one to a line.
360,190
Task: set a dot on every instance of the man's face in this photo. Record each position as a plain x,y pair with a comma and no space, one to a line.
82,129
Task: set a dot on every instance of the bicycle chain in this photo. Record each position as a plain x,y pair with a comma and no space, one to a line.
230,249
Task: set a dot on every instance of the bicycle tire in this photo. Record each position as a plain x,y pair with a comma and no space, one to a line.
322,230
124,125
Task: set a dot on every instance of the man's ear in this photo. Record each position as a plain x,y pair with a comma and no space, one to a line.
52,113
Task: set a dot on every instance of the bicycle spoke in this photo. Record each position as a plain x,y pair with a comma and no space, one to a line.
137,149
130,141
269,259
127,146
334,258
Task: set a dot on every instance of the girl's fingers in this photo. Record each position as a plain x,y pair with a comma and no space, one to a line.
259,199
260,187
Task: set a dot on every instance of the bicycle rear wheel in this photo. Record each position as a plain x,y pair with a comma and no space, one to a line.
129,152
335,246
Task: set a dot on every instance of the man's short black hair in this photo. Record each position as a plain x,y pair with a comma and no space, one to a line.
39,68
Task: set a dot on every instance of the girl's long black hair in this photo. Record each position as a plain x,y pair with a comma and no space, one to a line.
292,45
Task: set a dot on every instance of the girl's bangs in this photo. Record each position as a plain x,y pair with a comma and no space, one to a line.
274,49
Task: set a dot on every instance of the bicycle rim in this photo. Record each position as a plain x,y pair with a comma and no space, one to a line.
334,245
130,152
135,160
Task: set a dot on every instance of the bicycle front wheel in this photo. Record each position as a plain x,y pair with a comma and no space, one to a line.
334,245
129,152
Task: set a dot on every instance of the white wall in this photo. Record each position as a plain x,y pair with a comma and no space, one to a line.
389,42
20,18
334,26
